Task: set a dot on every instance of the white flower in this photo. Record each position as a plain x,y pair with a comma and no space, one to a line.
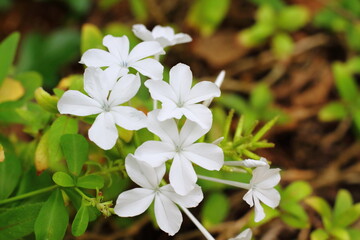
244,235
103,132
135,201
249,163
118,59
262,189
178,98
219,80
181,148
164,35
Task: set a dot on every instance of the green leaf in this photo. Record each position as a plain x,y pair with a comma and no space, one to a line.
7,53
46,101
63,125
91,37
63,179
206,15
294,215
348,217
214,201
340,234
261,96
256,35
75,149
354,234
90,182
343,202
333,111
345,83
81,221
282,45
139,9
293,17
18,222
322,208
319,234
76,201
53,218
10,172
296,191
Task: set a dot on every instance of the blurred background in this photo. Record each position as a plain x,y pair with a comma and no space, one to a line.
296,59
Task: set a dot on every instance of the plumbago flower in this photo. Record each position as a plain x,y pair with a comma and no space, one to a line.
135,201
262,189
163,35
178,98
119,59
100,101
180,147
261,186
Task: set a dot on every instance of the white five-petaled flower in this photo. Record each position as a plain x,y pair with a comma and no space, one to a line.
119,59
262,189
135,201
103,132
180,147
178,98
244,235
164,35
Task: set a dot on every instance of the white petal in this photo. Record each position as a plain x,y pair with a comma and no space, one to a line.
198,113
164,42
244,235
75,103
142,173
165,32
98,58
182,38
167,130
202,91
149,67
259,211
133,202
192,199
248,197
168,215
161,91
124,89
112,75
169,110
118,46
142,32
94,84
143,50
155,153
180,81
128,117
191,132
269,197
103,131
249,163
265,177
182,175
206,155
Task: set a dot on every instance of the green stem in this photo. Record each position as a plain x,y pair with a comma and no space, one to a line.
29,194
83,195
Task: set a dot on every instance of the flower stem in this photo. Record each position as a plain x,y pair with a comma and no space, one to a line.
29,194
228,182
202,229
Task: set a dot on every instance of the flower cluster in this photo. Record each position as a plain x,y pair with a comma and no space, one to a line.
110,87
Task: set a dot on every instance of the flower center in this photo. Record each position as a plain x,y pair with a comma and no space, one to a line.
106,107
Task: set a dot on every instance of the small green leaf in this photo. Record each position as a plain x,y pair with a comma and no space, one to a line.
10,172
333,111
91,37
90,182
340,234
354,234
46,101
18,222
296,191
261,96
343,202
63,179
53,218
282,45
294,215
345,83
348,217
216,201
81,221
322,208
7,53
319,234
75,149
293,17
